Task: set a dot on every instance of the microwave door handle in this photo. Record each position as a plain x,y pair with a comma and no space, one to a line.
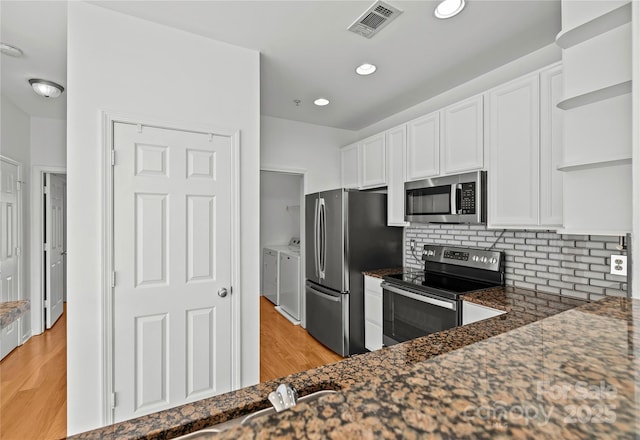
446,304
454,199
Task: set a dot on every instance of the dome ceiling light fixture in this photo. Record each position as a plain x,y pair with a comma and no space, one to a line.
10,50
449,8
321,102
366,69
45,88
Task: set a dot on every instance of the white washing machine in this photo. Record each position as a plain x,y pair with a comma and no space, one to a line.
289,289
281,278
270,262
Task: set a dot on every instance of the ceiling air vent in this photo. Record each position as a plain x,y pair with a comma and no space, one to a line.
373,19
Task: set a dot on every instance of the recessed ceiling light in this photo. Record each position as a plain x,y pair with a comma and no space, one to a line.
10,50
321,102
365,69
449,8
45,88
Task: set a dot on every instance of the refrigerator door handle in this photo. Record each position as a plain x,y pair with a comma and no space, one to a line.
323,238
315,239
334,299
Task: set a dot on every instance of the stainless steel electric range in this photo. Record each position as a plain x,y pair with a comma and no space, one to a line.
423,302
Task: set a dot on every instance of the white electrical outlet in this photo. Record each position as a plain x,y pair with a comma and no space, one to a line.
619,265
412,245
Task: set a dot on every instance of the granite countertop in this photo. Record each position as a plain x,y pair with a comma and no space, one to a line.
359,376
380,273
573,375
12,310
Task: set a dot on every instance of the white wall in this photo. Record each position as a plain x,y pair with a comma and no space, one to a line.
125,64
286,144
635,117
526,64
48,142
277,192
14,143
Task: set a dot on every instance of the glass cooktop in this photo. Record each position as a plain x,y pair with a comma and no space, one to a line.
432,281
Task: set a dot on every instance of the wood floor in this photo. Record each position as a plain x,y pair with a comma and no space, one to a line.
33,377
33,387
286,348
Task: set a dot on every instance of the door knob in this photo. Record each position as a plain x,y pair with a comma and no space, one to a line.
222,292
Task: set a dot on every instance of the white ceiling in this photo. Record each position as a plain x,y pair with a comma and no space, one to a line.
307,51
40,30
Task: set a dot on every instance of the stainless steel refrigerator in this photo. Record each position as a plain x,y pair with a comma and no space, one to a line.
346,233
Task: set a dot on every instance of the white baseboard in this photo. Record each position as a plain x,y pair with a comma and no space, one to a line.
25,338
291,319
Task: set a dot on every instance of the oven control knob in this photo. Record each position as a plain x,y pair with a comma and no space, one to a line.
493,261
484,260
475,258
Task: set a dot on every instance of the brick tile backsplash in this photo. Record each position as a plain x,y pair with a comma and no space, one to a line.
571,265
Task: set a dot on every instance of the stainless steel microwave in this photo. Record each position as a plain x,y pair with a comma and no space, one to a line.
459,198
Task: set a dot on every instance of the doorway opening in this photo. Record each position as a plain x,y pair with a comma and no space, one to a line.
48,246
42,355
281,220
54,247
285,345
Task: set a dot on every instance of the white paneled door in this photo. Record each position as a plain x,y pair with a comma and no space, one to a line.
172,259
54,248
9,247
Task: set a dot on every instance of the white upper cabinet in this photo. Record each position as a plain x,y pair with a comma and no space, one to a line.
373,157
363,164
423,147
461,137
515,131
396,146
514,153
350,166
551,146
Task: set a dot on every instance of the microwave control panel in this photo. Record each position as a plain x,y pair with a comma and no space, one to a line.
468,198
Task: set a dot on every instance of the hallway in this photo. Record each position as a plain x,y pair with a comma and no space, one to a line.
33,387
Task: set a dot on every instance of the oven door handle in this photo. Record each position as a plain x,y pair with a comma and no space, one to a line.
451,305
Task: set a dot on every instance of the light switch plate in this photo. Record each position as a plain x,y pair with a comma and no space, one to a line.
619,265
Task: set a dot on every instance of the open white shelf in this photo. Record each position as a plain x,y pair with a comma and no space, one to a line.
585,165
596,96
595,27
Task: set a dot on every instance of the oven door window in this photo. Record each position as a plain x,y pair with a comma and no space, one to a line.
406,318
429,201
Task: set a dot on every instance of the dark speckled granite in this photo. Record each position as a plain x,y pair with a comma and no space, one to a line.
380,273
570,376
10,311
537,304
380,398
